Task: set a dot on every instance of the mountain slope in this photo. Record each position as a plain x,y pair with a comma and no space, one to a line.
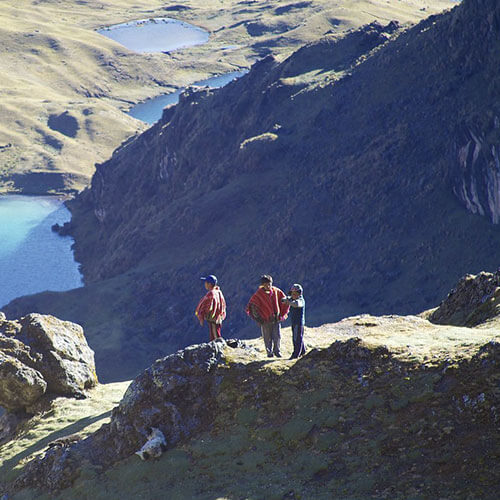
380,407
337,168
65,87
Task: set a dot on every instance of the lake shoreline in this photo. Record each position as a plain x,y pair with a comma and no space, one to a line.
33,257
156,34
58,196
153,107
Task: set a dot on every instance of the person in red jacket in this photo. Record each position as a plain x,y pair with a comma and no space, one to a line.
212,307
267,309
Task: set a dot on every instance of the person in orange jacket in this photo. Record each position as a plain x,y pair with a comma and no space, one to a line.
212,307
268,309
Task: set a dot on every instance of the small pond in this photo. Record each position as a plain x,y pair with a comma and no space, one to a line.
150,111
32,257
160,34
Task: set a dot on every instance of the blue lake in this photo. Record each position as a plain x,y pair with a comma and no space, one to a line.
32,257
150,111
160,34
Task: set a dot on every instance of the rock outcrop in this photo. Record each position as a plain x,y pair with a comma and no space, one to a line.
474,300
381,407
176,395
477,179
42,355
20,385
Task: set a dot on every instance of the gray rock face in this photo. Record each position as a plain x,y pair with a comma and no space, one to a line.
20,385
176,395
478,172
42,354
471,302
68,362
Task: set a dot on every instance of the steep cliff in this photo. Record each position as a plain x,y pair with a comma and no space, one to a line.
349,167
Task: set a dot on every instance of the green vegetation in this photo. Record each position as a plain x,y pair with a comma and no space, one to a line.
61,418
352,419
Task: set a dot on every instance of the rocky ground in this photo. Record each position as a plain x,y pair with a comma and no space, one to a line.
45,363
65,87
387,407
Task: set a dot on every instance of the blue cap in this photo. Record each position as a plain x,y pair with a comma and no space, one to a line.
210,279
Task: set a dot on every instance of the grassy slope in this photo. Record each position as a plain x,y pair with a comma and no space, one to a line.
54,62
65,417
394,427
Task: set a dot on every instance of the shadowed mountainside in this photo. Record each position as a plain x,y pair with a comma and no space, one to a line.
337,168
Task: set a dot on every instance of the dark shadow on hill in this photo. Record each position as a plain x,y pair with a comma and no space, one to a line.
65,123
67,431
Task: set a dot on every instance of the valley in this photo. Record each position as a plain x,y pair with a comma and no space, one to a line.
356,153
65,88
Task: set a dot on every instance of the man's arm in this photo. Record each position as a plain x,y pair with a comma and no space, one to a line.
254,313
282,305
203,308
298,302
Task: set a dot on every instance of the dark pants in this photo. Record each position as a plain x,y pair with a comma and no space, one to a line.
214,330
298,341
271,332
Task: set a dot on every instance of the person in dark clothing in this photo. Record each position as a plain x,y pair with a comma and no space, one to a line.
295,299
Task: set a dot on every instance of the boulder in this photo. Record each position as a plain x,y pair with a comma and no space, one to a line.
13,347
20,385
67,361
176,395
474,300
42,355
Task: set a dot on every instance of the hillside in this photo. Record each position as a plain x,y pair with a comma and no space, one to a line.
336,168
380,407
65,88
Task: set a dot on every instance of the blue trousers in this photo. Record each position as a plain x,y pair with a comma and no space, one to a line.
299,348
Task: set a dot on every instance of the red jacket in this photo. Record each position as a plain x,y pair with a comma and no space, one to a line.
265,306
212,307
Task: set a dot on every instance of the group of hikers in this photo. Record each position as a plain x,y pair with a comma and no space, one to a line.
268,306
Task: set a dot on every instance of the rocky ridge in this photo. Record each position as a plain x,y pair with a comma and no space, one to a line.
474,301
348,419
380,407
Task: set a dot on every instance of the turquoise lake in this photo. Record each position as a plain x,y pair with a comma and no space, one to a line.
32,257
161,34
